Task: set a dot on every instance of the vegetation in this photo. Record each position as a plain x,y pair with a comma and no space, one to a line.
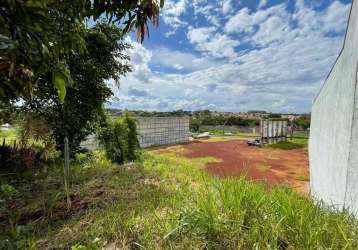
119,138
82,112
234,133
164,202
206,117
299,140
38,37
303,122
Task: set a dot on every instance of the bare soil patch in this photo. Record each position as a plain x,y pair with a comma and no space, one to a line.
273,166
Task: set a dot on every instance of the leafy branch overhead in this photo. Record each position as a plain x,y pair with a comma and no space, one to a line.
38,36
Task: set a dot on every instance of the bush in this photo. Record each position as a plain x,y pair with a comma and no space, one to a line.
95,159
12,157
119,139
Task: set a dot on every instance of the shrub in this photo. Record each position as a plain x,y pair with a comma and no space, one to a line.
20,156
95,159
119,139
12,157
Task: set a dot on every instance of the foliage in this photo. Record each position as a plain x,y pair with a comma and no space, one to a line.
119,139
18,158
37,38
95,159
6,112
303,122
169,202
206,117
31,127
82,112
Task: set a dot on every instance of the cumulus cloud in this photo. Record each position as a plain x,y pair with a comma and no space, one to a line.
287,52
140,58
218,45
200,35
226,7
165,57
246,21
262,3
137,92
172,12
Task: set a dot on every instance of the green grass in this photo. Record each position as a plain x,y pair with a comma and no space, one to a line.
235,133
302,178
293,143
8,134
169,202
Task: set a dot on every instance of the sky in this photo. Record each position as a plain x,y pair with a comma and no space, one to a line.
234,55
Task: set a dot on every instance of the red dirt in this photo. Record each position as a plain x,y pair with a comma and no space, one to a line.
273,166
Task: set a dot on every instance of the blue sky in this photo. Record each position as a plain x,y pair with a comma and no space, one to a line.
235,55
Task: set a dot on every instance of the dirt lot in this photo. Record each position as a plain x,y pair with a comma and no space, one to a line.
273,166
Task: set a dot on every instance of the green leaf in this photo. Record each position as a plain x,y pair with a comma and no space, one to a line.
161,3
59,80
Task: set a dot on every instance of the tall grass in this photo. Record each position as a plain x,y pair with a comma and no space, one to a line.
169,202
232,214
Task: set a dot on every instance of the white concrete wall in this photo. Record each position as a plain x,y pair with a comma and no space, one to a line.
333,146
162,130
272,129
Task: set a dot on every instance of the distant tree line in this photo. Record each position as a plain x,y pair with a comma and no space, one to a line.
303,122
207,117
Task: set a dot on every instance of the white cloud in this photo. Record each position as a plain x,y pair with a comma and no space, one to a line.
226,6
172,12
214,44
140,57
335,17
200,35
290,55
262,3
245,21
165,57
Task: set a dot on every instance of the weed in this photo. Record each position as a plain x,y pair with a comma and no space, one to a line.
303,178
167,202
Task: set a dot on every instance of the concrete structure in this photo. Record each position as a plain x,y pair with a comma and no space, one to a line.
273,131
333,146
91,143
153,131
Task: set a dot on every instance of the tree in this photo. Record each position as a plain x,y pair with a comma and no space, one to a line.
119,138
37,36
83,109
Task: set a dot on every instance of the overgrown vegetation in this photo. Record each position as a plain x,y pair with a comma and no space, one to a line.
119,138
166,202
83,110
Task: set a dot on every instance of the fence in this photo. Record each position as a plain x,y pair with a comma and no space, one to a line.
273,131
162,130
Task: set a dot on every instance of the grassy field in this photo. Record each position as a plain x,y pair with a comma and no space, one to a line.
299,140
165,202
235,133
